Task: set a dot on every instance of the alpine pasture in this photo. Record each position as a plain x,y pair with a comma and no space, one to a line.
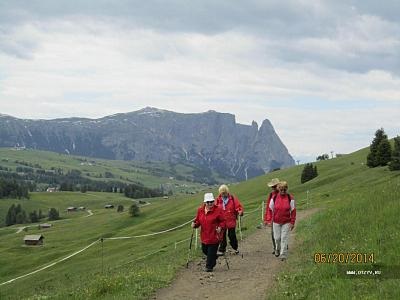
358,213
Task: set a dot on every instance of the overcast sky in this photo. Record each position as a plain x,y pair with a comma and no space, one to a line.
325,73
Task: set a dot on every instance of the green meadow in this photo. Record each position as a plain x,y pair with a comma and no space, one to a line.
178,178
357,213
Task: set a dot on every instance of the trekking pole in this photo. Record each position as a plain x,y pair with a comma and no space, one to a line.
226,261
240,228
190,249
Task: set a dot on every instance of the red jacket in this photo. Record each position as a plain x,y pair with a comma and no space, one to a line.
209,222
282,211
231,210
268,211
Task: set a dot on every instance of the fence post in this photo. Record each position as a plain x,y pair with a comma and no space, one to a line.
102,256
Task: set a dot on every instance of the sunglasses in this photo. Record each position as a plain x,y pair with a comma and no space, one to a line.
209,202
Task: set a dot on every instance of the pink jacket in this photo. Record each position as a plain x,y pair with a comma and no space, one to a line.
231,210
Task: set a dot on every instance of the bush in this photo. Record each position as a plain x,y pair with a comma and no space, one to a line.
53,214
134,210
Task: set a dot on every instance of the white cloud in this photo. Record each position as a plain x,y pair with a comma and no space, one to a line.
341,82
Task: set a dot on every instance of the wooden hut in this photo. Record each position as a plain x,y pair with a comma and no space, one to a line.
45,225
34,239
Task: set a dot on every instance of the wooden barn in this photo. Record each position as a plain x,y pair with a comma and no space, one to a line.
45,225
109,206
34,240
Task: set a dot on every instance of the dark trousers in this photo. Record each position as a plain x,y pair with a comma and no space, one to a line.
232,239
211,252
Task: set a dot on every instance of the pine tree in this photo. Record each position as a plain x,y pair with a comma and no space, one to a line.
394,164
33,216
53,214
10,217
384,153
309,172
380,150
20,218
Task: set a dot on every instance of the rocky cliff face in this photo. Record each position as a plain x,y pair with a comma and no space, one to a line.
210,140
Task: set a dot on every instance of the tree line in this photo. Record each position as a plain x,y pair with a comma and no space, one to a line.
17,215
20,184
12,189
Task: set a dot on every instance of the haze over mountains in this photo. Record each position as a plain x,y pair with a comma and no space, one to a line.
212,141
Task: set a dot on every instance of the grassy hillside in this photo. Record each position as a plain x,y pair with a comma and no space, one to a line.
178,178
357,214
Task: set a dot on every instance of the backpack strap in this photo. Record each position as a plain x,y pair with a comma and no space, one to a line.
288,196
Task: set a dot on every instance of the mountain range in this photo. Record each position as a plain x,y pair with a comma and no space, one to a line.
211,141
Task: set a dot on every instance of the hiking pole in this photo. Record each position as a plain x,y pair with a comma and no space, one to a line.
240,231
190,249
226,261
240,228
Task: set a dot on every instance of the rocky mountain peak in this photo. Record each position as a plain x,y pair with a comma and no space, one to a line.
212,141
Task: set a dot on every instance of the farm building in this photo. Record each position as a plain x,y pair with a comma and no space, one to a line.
109,206
34,239
71,208
45,225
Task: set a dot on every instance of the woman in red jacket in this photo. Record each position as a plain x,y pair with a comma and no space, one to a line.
283,218
273,184
212,222
231,208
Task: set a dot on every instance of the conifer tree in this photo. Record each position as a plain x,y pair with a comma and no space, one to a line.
380,150
53,214
10,217
33,216
309,172
394,164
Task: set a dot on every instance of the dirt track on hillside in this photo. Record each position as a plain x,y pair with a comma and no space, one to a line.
250,276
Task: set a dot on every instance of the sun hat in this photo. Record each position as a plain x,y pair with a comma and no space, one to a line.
273,182
208,197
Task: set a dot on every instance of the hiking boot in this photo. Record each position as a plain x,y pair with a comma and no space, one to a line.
220,253
236,251
277,253
209,270
273,252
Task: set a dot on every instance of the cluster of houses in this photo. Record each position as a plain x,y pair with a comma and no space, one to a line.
73,208
37,239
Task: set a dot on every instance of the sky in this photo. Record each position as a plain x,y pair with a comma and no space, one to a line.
325,73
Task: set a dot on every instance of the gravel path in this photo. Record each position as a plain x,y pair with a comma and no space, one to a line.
250,276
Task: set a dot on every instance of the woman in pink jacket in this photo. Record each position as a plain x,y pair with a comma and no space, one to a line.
273,184
211,220
231,208
283,219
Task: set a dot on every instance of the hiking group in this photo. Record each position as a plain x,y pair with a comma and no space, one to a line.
217,219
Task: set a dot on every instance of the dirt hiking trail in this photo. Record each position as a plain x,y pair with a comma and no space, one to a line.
248,277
